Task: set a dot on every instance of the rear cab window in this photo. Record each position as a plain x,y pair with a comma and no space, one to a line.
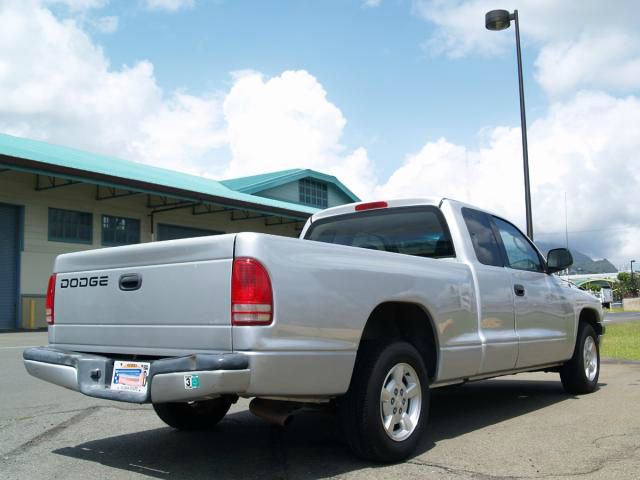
420,231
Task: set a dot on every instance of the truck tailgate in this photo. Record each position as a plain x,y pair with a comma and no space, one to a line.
164,298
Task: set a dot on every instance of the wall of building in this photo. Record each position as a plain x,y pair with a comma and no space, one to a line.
290,192
37,257
631,304
337,196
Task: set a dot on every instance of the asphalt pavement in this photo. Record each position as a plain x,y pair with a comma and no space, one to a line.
621,317
521,426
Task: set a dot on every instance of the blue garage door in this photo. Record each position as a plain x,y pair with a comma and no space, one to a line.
9,255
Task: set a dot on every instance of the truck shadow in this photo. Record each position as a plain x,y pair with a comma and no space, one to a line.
311,447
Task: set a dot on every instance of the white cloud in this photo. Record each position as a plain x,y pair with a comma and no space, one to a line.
594,46
169,5
371,3
78,5
181,135
59,86
108,24
288,122
459,28
609,60
587,147
55,83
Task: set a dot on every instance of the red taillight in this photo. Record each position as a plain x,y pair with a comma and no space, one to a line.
371,206
51,297
251,294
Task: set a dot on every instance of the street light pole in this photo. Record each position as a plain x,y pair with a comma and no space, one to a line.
500,20
632,282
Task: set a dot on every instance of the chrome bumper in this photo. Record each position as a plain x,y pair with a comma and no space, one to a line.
224,373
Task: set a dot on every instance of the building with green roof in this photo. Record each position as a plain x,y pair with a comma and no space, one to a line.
55,200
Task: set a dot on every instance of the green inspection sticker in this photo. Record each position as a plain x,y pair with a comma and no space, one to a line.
191,382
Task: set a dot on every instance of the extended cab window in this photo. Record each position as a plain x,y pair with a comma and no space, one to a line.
520,253
483,239
419,231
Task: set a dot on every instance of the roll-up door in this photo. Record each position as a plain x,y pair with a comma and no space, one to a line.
9,264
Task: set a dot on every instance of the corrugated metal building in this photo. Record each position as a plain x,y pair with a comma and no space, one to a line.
56,200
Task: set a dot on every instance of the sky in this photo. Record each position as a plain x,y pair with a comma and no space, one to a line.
397,98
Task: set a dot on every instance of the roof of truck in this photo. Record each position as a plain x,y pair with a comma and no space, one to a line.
401,202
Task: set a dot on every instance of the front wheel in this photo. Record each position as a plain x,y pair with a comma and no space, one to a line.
193,416
580,374
385,410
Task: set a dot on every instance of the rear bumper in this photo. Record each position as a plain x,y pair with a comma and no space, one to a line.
224,373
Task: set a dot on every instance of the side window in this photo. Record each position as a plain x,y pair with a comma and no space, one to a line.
483,239
520,253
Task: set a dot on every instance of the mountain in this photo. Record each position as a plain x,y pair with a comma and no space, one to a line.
582,263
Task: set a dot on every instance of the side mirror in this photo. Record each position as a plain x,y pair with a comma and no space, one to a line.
558,259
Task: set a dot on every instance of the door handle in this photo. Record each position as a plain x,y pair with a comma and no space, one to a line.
130,281
519,290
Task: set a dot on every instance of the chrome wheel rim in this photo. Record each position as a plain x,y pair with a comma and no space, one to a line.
400,402
590,358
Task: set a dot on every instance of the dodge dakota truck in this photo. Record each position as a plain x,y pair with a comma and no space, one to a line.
374,305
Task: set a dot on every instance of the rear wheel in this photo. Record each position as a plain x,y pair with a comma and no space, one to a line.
192,416
580,374
384,412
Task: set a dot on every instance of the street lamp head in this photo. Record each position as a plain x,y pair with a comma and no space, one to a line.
497,20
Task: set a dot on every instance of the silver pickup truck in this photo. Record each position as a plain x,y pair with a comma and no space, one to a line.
373,306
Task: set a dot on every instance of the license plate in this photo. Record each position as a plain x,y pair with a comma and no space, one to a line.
130,376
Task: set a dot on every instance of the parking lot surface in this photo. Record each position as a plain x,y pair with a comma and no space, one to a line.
521,426
621,317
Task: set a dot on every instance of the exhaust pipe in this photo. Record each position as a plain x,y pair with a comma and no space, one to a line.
275,411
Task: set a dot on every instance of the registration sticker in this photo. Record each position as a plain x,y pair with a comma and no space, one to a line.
191,382
130,376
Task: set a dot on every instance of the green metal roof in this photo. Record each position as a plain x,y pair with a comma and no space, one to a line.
242,184
74,164
265,181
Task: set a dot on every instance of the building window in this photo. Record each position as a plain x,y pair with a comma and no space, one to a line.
313,193
70,226
120,230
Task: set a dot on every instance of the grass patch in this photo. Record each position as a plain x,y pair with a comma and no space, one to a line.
622,340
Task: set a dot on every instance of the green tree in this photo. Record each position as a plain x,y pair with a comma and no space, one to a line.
628,285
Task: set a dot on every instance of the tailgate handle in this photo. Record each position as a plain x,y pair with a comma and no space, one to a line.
130,281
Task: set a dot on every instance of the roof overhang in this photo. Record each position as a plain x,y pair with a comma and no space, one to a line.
95,178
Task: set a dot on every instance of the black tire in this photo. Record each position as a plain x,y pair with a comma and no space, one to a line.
360,410
193,416
574,375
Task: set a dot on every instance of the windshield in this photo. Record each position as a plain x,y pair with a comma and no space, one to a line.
419,231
